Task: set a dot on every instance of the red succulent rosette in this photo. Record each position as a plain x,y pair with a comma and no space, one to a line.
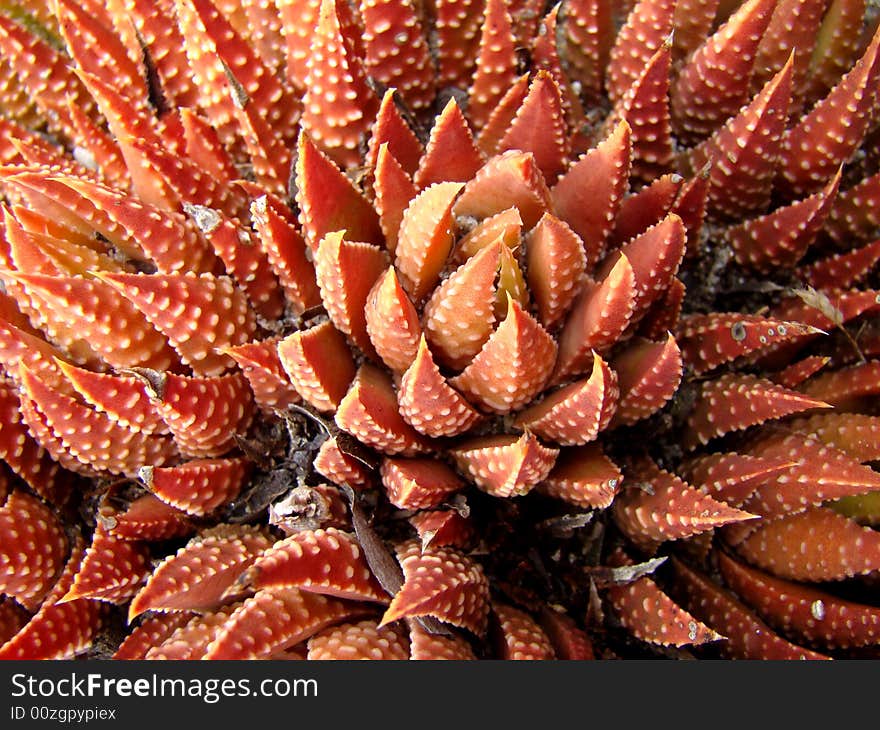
391,330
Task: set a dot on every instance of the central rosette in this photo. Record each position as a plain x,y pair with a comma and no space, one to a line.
488,329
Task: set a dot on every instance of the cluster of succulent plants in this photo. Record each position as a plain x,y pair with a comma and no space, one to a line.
439,329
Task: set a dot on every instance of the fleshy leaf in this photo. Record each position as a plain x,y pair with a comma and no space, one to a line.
442,583
197,577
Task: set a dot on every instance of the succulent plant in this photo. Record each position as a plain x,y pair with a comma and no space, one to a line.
439,330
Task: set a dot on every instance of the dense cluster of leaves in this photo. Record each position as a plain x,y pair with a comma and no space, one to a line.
439,329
